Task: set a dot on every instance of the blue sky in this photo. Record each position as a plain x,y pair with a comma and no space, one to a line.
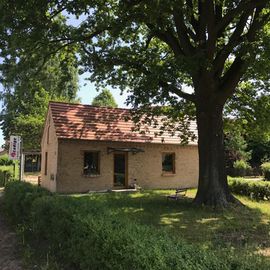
87,92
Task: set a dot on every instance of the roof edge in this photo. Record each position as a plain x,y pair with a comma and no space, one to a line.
87,105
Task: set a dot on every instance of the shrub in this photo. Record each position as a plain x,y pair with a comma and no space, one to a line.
266,170
83,234
5,161
18,199
5,176
258,190
241,167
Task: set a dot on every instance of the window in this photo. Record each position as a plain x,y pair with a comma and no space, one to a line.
46,163
91,163
48,134
168,162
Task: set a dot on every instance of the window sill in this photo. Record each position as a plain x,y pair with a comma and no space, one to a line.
168,174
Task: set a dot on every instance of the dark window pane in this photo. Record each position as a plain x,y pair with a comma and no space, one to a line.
119,170
91,163
32,163
119,163
168,162
46,163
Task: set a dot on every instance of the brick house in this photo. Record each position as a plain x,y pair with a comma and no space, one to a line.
87,148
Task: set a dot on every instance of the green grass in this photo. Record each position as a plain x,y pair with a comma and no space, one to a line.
98,230
244,229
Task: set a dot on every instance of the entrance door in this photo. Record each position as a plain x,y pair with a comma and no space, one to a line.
120,170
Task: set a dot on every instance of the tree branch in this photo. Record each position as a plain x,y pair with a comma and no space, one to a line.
218,11
168,38
140,67
202,22
237,69
234,40
232,14
193,21
210,23
177,91
182,31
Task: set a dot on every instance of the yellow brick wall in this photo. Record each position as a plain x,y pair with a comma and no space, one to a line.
146,167
51,147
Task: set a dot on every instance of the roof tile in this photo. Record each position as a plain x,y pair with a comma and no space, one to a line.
86,122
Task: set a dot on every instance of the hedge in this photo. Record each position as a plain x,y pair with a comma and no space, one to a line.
241,168
266,170
18,199
258,190
78,234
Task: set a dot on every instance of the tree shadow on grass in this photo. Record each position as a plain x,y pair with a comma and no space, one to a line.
242,228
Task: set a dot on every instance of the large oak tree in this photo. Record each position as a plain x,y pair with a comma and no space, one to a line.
153,48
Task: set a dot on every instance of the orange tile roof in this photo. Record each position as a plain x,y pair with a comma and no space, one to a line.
86,122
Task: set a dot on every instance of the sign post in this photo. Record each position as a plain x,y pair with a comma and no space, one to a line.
15,152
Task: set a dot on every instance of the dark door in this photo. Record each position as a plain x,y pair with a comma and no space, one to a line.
120,170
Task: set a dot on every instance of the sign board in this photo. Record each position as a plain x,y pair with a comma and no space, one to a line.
15,147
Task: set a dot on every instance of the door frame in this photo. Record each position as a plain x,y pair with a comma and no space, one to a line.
126,167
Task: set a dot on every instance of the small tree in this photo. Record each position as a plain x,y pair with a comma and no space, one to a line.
105,98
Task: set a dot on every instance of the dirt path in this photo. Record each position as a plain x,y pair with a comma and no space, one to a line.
8,245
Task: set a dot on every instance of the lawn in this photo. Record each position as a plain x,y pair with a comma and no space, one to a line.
243,229
139,230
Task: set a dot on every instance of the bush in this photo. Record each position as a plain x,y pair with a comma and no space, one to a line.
83,234
5,161
241,168
5,176
258,190
266,170
18,199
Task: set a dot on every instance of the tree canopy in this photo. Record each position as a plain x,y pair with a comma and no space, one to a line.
27,93
153,49
105,98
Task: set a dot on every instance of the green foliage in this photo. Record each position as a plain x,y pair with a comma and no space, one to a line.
266,170
260,151
235,146
105,98
5,161
25,107
18,199
257,190
242,168
80,233
153,50
7,172
249,107
138,46
5,176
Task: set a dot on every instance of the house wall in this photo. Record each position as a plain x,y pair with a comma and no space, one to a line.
146,167
49,144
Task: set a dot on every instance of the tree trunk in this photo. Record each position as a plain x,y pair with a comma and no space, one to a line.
213,187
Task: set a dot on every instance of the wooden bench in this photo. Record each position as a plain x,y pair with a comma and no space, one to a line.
179,193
